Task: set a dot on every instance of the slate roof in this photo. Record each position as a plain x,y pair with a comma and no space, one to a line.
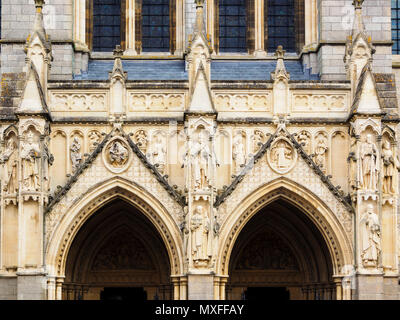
175,70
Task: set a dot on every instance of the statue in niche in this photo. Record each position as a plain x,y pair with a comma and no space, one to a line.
320,154
30,155
369,164
239,154
371,237
304,140
391,166
10,159
159,154
201,238
258,139
282,155
202,160
118,154
76,156
141,140
94,140
352,159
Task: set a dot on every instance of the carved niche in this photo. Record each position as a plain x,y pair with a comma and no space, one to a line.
116,155
281,156
267,251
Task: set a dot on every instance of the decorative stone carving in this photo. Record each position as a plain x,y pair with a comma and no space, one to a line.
304,138
10,161
118,154
371,237
75,153
48,160
123,251
159,153
320,153
281,156
75,101
391,166
201,238
326,102
141,140
203,160
238,153
243,102
94,140
143,101
369,164
30,155
258,140
267,251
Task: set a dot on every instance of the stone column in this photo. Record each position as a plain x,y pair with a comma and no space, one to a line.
183,288
259,29
130,29
59,287
176,284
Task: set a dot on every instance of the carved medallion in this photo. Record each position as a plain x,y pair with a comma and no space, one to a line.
281,156
116,155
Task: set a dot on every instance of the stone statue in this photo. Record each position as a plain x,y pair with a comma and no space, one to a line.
159,154
118,154
141,140
239,154
282,155
320,154
371,238
202,160
391,167
201,238
30,155
369,164
76,156
10,159
94,140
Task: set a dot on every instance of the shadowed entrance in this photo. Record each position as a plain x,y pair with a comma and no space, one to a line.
280,255
117,255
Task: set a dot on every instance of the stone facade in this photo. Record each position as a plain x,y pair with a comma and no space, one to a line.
236,175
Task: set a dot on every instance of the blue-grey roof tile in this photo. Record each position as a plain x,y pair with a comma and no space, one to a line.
175,70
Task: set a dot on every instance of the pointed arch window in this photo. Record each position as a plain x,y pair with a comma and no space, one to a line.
396,26
155,25
279,22
106,24
232,26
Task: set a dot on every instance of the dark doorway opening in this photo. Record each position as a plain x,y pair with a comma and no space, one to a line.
123,294
267,294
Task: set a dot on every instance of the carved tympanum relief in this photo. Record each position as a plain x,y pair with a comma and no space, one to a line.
141,140
116,155
94,140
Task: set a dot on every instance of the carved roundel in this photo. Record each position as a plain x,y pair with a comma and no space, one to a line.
282,156
117,155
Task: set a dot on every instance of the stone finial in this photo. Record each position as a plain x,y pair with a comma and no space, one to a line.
118,52
39,24
358,4
280,53
39,4
199,27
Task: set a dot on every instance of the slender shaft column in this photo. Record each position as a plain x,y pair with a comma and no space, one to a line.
259,28
175,282
216,288
130,28
183,289
51,288
222,288
59,284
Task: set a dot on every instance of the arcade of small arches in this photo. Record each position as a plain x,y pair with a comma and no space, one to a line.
119,246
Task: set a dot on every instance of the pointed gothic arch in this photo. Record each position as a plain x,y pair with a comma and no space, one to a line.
337,240
61,239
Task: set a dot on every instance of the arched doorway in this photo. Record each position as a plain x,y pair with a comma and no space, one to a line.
280,254
117,254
